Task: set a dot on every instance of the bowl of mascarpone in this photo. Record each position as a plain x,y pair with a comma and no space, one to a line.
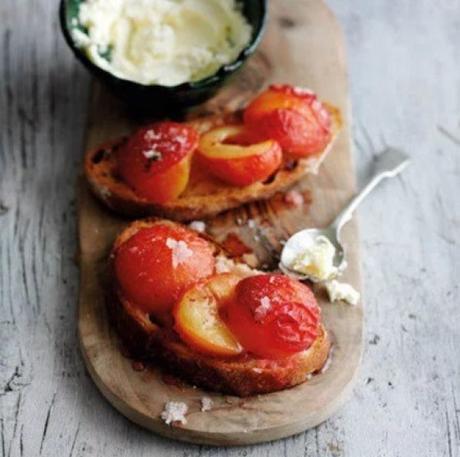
160,55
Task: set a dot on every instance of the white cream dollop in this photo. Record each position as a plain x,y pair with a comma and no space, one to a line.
166,42
316,260
341,291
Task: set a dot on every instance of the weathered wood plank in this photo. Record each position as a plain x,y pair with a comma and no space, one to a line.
404,66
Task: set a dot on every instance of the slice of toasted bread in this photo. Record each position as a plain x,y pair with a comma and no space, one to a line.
243,376
205,196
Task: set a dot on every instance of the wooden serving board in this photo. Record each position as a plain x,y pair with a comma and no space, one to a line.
303,45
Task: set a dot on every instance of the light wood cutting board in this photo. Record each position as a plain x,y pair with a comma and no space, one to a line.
303,45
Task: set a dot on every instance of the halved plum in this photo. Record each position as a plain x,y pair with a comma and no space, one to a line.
292,116
155,161
227,152
273,316
158,263
197,319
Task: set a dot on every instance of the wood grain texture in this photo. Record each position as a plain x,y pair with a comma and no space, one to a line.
141,396
404,63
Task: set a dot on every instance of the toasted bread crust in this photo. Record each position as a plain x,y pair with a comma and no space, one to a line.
243,375
205,195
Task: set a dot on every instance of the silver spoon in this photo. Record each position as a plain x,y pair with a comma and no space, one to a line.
387,165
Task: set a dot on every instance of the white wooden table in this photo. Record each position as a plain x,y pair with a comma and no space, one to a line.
404,61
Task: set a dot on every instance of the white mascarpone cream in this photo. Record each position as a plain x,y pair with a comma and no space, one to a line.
166,42
315,259
341,291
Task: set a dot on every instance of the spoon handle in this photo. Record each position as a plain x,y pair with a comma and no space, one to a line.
388,165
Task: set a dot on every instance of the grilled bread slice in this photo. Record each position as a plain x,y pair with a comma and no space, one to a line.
205,195
243,375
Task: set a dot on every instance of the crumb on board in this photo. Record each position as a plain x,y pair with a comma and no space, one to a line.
294,198
206,404
198,226
250,259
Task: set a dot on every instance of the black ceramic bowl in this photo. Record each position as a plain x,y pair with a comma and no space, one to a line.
155,98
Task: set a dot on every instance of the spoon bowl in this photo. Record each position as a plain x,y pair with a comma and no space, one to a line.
387,165
301,241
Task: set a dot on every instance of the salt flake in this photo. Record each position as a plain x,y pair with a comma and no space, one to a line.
174,411
206,404
152,154
303,91
180,251
252,223
262,310
198,226
151,135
